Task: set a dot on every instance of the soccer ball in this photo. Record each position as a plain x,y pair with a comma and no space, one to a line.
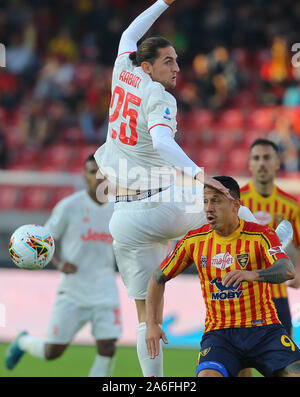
31,247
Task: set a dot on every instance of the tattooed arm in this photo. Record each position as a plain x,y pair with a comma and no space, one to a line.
281,271
155,293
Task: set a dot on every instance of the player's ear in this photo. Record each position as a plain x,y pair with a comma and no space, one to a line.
147,67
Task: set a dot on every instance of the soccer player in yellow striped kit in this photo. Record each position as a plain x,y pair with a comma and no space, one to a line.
236,260
270,205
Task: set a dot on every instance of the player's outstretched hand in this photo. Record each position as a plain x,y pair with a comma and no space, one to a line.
153,335
213,183
68,268
235,277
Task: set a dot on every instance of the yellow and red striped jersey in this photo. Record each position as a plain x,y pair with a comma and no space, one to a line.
271,211
250,247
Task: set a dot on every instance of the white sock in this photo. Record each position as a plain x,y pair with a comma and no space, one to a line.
246,214
32,345
150,366
102,367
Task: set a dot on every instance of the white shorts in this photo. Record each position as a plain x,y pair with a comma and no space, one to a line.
67,319
141,232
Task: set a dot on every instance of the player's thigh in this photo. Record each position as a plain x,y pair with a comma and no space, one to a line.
144,223
106,323
284,314
218,354
65,321
136,265
274,350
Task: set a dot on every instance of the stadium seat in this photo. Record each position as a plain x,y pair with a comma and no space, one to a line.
261,119
60,192
231,119
56,157
236,163
9,197
210,159
200,119
36,198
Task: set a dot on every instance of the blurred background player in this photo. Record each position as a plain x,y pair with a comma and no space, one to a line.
139,156
270,205
241,259
87,290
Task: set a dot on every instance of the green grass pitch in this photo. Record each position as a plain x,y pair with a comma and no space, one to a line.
77,361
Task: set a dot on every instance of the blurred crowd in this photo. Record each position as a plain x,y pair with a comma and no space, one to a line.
59,57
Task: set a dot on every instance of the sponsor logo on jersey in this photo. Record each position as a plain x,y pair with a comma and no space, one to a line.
96,236
243,260
263,217
225,293
222,261
275,250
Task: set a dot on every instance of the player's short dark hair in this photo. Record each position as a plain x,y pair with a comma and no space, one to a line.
148,50
230,184
90,157
264,142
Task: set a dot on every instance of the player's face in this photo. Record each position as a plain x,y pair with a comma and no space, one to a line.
263,163
92,176
220,211
165,68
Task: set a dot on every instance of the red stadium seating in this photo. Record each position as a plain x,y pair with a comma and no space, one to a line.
60,192
236,163
9,197
36,198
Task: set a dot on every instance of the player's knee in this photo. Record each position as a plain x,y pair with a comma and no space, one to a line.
54,351
209,373
106,348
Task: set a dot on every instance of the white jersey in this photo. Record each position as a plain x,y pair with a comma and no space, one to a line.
81,225
128,158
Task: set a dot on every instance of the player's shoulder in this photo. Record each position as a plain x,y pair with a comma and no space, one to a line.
201,231
287,197
256,229
245,189
71,200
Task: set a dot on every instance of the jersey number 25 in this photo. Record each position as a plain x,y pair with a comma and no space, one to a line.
123,102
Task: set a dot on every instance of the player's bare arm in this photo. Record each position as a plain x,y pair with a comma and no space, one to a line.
155,294
281,271
169,2
63,266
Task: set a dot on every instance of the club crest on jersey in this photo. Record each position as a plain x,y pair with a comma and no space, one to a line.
275,250
243,260
279,218
167,114
222,261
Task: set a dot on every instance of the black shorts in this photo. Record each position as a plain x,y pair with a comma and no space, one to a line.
267,348
284,313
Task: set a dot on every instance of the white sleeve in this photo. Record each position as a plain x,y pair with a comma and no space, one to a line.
140,26
169,150
58,220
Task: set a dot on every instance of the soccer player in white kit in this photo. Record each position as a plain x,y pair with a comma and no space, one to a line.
139,157
87,290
